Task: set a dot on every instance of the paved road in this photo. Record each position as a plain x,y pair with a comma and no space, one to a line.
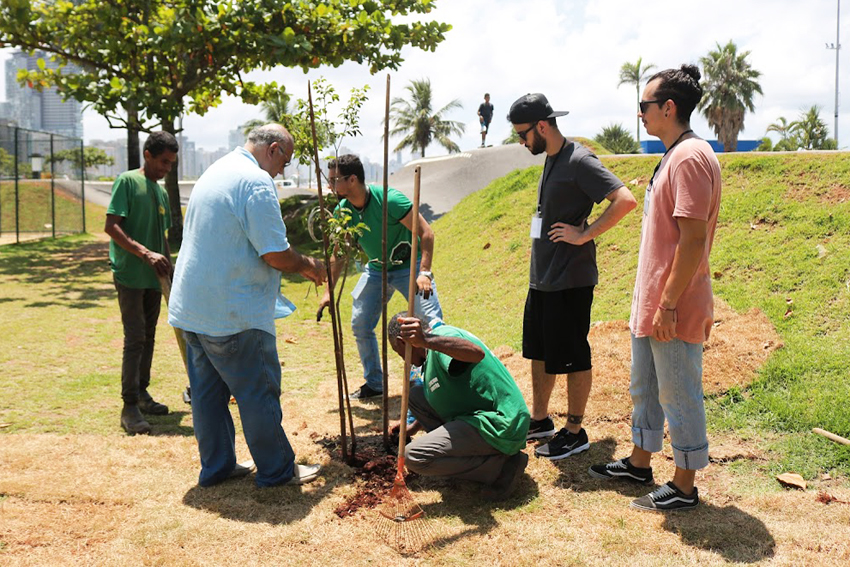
446,180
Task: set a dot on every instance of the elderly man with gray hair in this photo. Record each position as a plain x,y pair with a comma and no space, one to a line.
226,297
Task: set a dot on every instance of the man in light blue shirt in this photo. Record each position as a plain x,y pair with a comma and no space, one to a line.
225,297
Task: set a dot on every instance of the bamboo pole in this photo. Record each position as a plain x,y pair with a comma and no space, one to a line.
832,436
332,306
384,268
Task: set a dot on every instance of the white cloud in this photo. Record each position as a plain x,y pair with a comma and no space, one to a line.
572,51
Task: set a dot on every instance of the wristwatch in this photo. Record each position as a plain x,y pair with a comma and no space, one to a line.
427,274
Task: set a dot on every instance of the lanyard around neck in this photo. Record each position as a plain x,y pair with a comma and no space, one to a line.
546,174
658,165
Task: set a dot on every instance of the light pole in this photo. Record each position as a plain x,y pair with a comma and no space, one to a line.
837,47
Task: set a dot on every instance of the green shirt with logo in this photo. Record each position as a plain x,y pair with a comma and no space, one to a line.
398,235
144,206
482,394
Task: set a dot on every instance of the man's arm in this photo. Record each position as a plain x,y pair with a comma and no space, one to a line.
693,234
426,245
161,264
621,201
336,270
454,347
291,261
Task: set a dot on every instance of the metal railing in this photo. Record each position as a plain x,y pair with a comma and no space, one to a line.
42,185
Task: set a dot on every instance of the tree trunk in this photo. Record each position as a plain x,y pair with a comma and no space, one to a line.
133,155
175,233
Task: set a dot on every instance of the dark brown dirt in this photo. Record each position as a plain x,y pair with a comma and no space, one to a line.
375,471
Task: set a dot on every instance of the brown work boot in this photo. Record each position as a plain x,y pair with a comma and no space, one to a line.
132,421
151,407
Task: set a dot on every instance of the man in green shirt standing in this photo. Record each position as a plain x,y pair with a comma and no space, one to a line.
365,205
136,219
469,404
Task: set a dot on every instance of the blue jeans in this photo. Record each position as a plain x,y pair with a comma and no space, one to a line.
245,365
366,312
666,382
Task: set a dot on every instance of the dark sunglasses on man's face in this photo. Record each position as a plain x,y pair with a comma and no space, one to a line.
522,135
644,104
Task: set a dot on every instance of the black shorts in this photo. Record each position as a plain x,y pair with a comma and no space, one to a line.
555,327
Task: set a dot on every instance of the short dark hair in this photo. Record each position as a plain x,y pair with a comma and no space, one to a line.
486,94
682,87
348,164
159,142
394,327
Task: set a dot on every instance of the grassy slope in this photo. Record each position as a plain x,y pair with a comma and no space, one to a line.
34,208
774,215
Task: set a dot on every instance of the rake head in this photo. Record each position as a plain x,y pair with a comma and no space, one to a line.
401,521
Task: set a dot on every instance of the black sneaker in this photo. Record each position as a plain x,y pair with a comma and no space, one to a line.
622,470
540,428
563,444
667,497
363,392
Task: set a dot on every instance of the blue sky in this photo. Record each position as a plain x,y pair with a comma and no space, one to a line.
572,52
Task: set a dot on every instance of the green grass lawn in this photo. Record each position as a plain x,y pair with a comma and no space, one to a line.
783,241
35,212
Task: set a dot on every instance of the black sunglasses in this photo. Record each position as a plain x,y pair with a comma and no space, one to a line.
522,135
644,104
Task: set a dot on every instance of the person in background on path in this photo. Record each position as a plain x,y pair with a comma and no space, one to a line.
365,204
137,219
474,414
563,269
226,297
673,306
485,116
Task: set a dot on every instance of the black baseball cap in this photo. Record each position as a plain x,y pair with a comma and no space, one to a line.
531,108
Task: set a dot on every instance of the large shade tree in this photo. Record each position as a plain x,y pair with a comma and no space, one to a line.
417,122
730,85
159,59
635,74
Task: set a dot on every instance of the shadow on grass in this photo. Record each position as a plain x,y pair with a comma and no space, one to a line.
74,268
170,425
241,500
462,499
728,531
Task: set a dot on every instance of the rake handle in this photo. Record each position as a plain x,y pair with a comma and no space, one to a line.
832,436
411,302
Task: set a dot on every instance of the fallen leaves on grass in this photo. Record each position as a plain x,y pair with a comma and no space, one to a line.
827,498
792,480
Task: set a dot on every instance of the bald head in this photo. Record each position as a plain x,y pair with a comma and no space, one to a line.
272,146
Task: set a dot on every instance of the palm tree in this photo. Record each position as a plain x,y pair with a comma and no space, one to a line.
730,86
787,139
617,139
812,132
275,108
635,74
415,120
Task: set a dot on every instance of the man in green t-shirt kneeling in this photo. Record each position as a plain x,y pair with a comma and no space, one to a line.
469,404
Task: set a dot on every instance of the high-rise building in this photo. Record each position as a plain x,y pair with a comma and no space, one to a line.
236,138
40,110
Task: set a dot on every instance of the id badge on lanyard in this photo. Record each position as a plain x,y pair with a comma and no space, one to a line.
536,225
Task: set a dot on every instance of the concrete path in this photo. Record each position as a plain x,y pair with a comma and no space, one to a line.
446,180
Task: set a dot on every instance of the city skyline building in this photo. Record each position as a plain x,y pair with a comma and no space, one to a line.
39,110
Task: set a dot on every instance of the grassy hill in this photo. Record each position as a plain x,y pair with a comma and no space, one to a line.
782,246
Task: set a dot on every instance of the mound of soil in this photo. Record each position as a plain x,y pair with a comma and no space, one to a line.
739,344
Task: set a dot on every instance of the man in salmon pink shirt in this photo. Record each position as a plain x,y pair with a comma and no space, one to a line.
672,307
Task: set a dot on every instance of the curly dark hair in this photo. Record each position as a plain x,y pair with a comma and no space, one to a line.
682,87
348,164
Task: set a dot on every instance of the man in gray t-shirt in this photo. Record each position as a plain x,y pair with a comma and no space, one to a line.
563,269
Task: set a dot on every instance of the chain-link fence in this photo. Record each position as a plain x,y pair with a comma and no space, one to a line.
42,185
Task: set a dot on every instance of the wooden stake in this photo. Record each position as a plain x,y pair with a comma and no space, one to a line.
384,268
342,397
832,436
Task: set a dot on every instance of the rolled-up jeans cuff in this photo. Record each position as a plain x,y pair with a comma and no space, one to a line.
648,439
692,459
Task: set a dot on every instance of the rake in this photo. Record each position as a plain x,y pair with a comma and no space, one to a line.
400,520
